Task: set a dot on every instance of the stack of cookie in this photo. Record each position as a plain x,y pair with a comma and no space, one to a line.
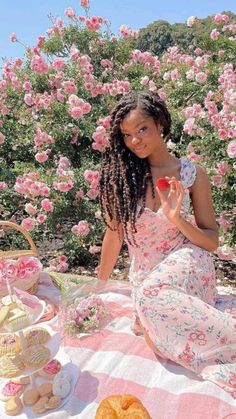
14,360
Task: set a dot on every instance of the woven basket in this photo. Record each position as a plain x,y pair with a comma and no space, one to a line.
31,285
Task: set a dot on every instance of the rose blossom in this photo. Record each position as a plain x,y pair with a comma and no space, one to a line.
47,205
13,37
190,21
41,218
81,228
30,209
28,223
2,138
231,149
3,185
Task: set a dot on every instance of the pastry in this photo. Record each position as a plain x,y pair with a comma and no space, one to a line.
17,319
45,389
40,405
36,336
53,402
30,397
11,389
36,356
50,369
122,406
60,387
13,406
4,311
10,344
11,367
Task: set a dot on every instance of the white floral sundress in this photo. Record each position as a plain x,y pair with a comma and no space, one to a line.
175,294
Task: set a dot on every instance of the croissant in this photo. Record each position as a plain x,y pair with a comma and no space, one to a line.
124,406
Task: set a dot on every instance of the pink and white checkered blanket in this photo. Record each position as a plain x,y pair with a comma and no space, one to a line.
115,361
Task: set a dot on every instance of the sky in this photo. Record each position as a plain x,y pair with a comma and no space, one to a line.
29,18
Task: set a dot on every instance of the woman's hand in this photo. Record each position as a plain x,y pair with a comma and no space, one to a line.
171,200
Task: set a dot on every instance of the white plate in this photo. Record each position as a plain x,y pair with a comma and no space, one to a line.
67,365
53,345
36,310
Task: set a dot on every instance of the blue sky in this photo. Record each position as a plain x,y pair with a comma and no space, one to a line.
29,18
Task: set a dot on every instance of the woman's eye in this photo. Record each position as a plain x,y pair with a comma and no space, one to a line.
142,129
125,136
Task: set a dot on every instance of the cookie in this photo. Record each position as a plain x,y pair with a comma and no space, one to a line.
10,344
50,369
13,406
36,336
36,356
45,389
63,374
60,387
53,402
30,397
21,380
11,367
4,311
40,405
11,389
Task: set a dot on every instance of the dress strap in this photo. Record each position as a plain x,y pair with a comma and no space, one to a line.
188,172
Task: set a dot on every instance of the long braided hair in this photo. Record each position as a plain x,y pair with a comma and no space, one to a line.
124,176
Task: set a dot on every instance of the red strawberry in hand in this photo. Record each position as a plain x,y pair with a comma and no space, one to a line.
162,184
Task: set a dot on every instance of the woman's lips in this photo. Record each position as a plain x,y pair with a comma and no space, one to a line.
139,149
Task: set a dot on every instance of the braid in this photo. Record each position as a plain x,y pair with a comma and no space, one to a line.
124,177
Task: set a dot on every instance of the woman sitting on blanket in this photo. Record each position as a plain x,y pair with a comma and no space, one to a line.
172,272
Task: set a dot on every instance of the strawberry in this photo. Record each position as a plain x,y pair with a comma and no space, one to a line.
162,184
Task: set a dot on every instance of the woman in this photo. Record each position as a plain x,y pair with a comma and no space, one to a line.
172,271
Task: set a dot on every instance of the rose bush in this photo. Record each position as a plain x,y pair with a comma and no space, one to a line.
54,123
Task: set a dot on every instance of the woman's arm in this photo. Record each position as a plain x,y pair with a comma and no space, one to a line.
111,246
205,233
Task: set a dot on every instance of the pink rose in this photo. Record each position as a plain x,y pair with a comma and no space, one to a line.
84,3
47,205
201,77
41,218
27,266
13,37
214,35
3,186
69,12
231,149
28,223
93,193
81,228
30,209
41,157
2,138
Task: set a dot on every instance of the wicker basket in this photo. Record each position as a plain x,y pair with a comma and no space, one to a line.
31,286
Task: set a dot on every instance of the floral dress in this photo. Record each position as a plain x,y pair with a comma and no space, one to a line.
175,293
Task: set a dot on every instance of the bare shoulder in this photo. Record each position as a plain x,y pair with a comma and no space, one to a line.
202,200
202,180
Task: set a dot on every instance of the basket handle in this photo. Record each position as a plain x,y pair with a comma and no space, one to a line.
16,253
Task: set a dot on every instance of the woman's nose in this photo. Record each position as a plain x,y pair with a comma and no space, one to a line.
135,139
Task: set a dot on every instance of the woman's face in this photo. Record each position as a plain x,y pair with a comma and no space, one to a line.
142,135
